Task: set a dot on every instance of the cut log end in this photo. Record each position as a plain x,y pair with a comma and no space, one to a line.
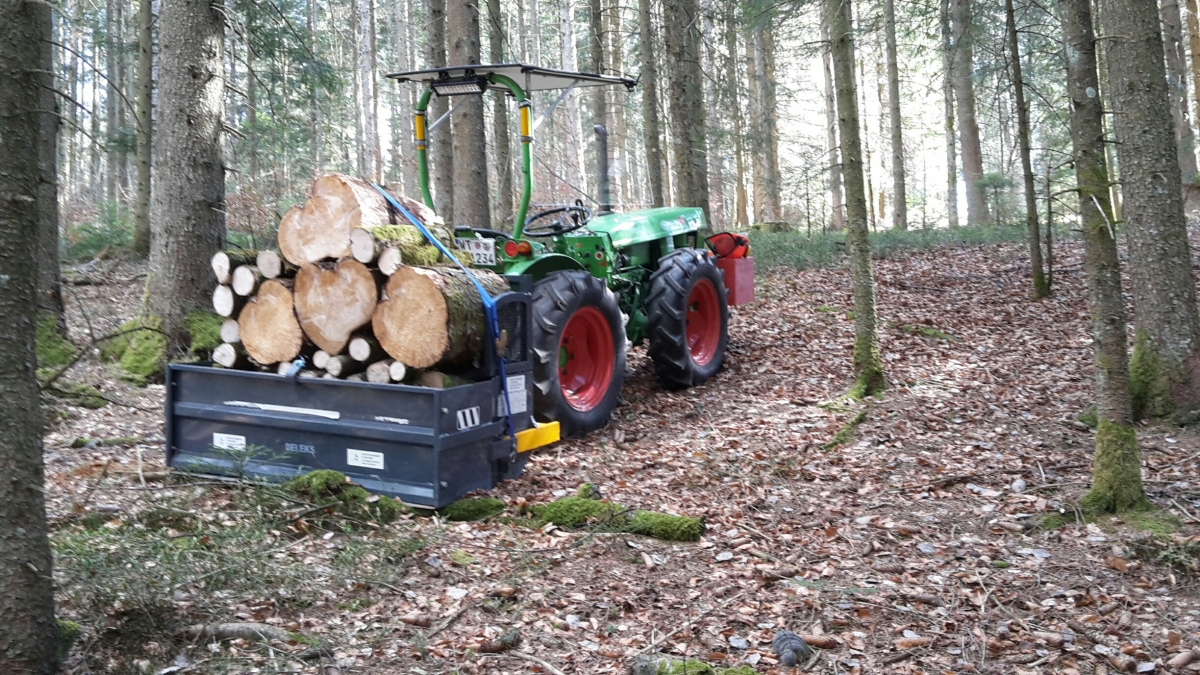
245,280
342,365
230,356
225,302
268,326
224,262
365,349
380,372
389,260
397,371
271,265
334,300
229,331
319,359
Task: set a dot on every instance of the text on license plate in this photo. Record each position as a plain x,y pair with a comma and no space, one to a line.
483,251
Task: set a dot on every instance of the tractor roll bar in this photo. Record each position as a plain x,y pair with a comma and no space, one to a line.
524,105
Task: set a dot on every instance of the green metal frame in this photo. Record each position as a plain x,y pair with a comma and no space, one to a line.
525,107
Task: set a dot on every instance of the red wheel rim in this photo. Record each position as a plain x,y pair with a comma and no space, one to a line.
585,359
703,322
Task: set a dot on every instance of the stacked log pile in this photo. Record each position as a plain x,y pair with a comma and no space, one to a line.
355,290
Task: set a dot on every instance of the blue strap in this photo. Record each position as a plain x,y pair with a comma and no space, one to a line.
489,304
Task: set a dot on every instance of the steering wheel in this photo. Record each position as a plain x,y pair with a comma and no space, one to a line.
573,217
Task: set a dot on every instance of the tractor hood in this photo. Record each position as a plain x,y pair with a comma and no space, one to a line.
636,227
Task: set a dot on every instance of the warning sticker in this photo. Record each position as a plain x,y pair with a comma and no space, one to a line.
229,441
364,458
516,394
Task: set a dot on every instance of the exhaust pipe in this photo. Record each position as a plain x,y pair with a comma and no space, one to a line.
602,154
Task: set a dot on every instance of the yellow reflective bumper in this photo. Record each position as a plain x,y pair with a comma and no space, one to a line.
538,436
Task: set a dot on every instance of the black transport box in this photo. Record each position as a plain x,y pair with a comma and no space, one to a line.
427,447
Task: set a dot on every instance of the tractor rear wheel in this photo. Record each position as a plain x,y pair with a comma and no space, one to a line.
579,351
688,314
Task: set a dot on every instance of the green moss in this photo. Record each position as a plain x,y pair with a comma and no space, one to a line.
53,350
140,349
324,485
666,526
588,491
205,329
688,667
80,395
68,632
462,557
1089,417
1054,521
928,331
1149,386
740,670
574,511
1152,520
844,434
472,509
1116,472
869,368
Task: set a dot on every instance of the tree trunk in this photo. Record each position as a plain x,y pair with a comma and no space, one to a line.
49,297
314,106
268,327
26,585
868,367
968,130
470,145
681,18
188,204
1117,479
596,64
1165,366
433,316
619,138
1041,287
441,140
773,183
741,218
575,169
758,149
251,116
141,208
504,163
899,195
654,159
1193,29
837,220
112,101
365,72
948,101
1172,27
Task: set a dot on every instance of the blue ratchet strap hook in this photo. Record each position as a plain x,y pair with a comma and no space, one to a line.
489,304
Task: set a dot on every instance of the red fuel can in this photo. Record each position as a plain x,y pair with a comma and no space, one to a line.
739,279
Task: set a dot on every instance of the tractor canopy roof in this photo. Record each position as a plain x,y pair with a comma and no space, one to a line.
530,78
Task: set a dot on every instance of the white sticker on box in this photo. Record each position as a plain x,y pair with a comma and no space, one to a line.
229,441
516,394
365,459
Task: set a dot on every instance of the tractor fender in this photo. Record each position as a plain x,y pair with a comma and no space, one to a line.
539,267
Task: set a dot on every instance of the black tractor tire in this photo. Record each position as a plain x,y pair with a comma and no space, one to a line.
557,300
688,311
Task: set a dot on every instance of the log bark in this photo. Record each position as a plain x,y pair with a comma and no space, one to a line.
272,266
268,327
229,332
320,230
333,300
230,356
225,302
365,349
343,365
224,262
367,244
246,280
433,316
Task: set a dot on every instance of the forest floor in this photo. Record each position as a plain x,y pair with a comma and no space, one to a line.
924,542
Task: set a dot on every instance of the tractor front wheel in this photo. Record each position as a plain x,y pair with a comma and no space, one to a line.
688,318
579,351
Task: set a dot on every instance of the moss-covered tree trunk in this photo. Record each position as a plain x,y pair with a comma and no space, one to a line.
1117,481
27,628
1165,367
868,367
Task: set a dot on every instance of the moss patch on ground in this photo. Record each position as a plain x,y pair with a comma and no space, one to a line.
81,395
326,486
68,632
578,511
478,508
844,434
53,350
205,331
140,349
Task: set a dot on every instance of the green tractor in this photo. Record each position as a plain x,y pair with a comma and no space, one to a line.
602,280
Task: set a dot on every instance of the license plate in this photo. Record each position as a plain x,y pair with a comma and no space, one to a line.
483,251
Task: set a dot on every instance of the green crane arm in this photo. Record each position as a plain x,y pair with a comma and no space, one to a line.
524,105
